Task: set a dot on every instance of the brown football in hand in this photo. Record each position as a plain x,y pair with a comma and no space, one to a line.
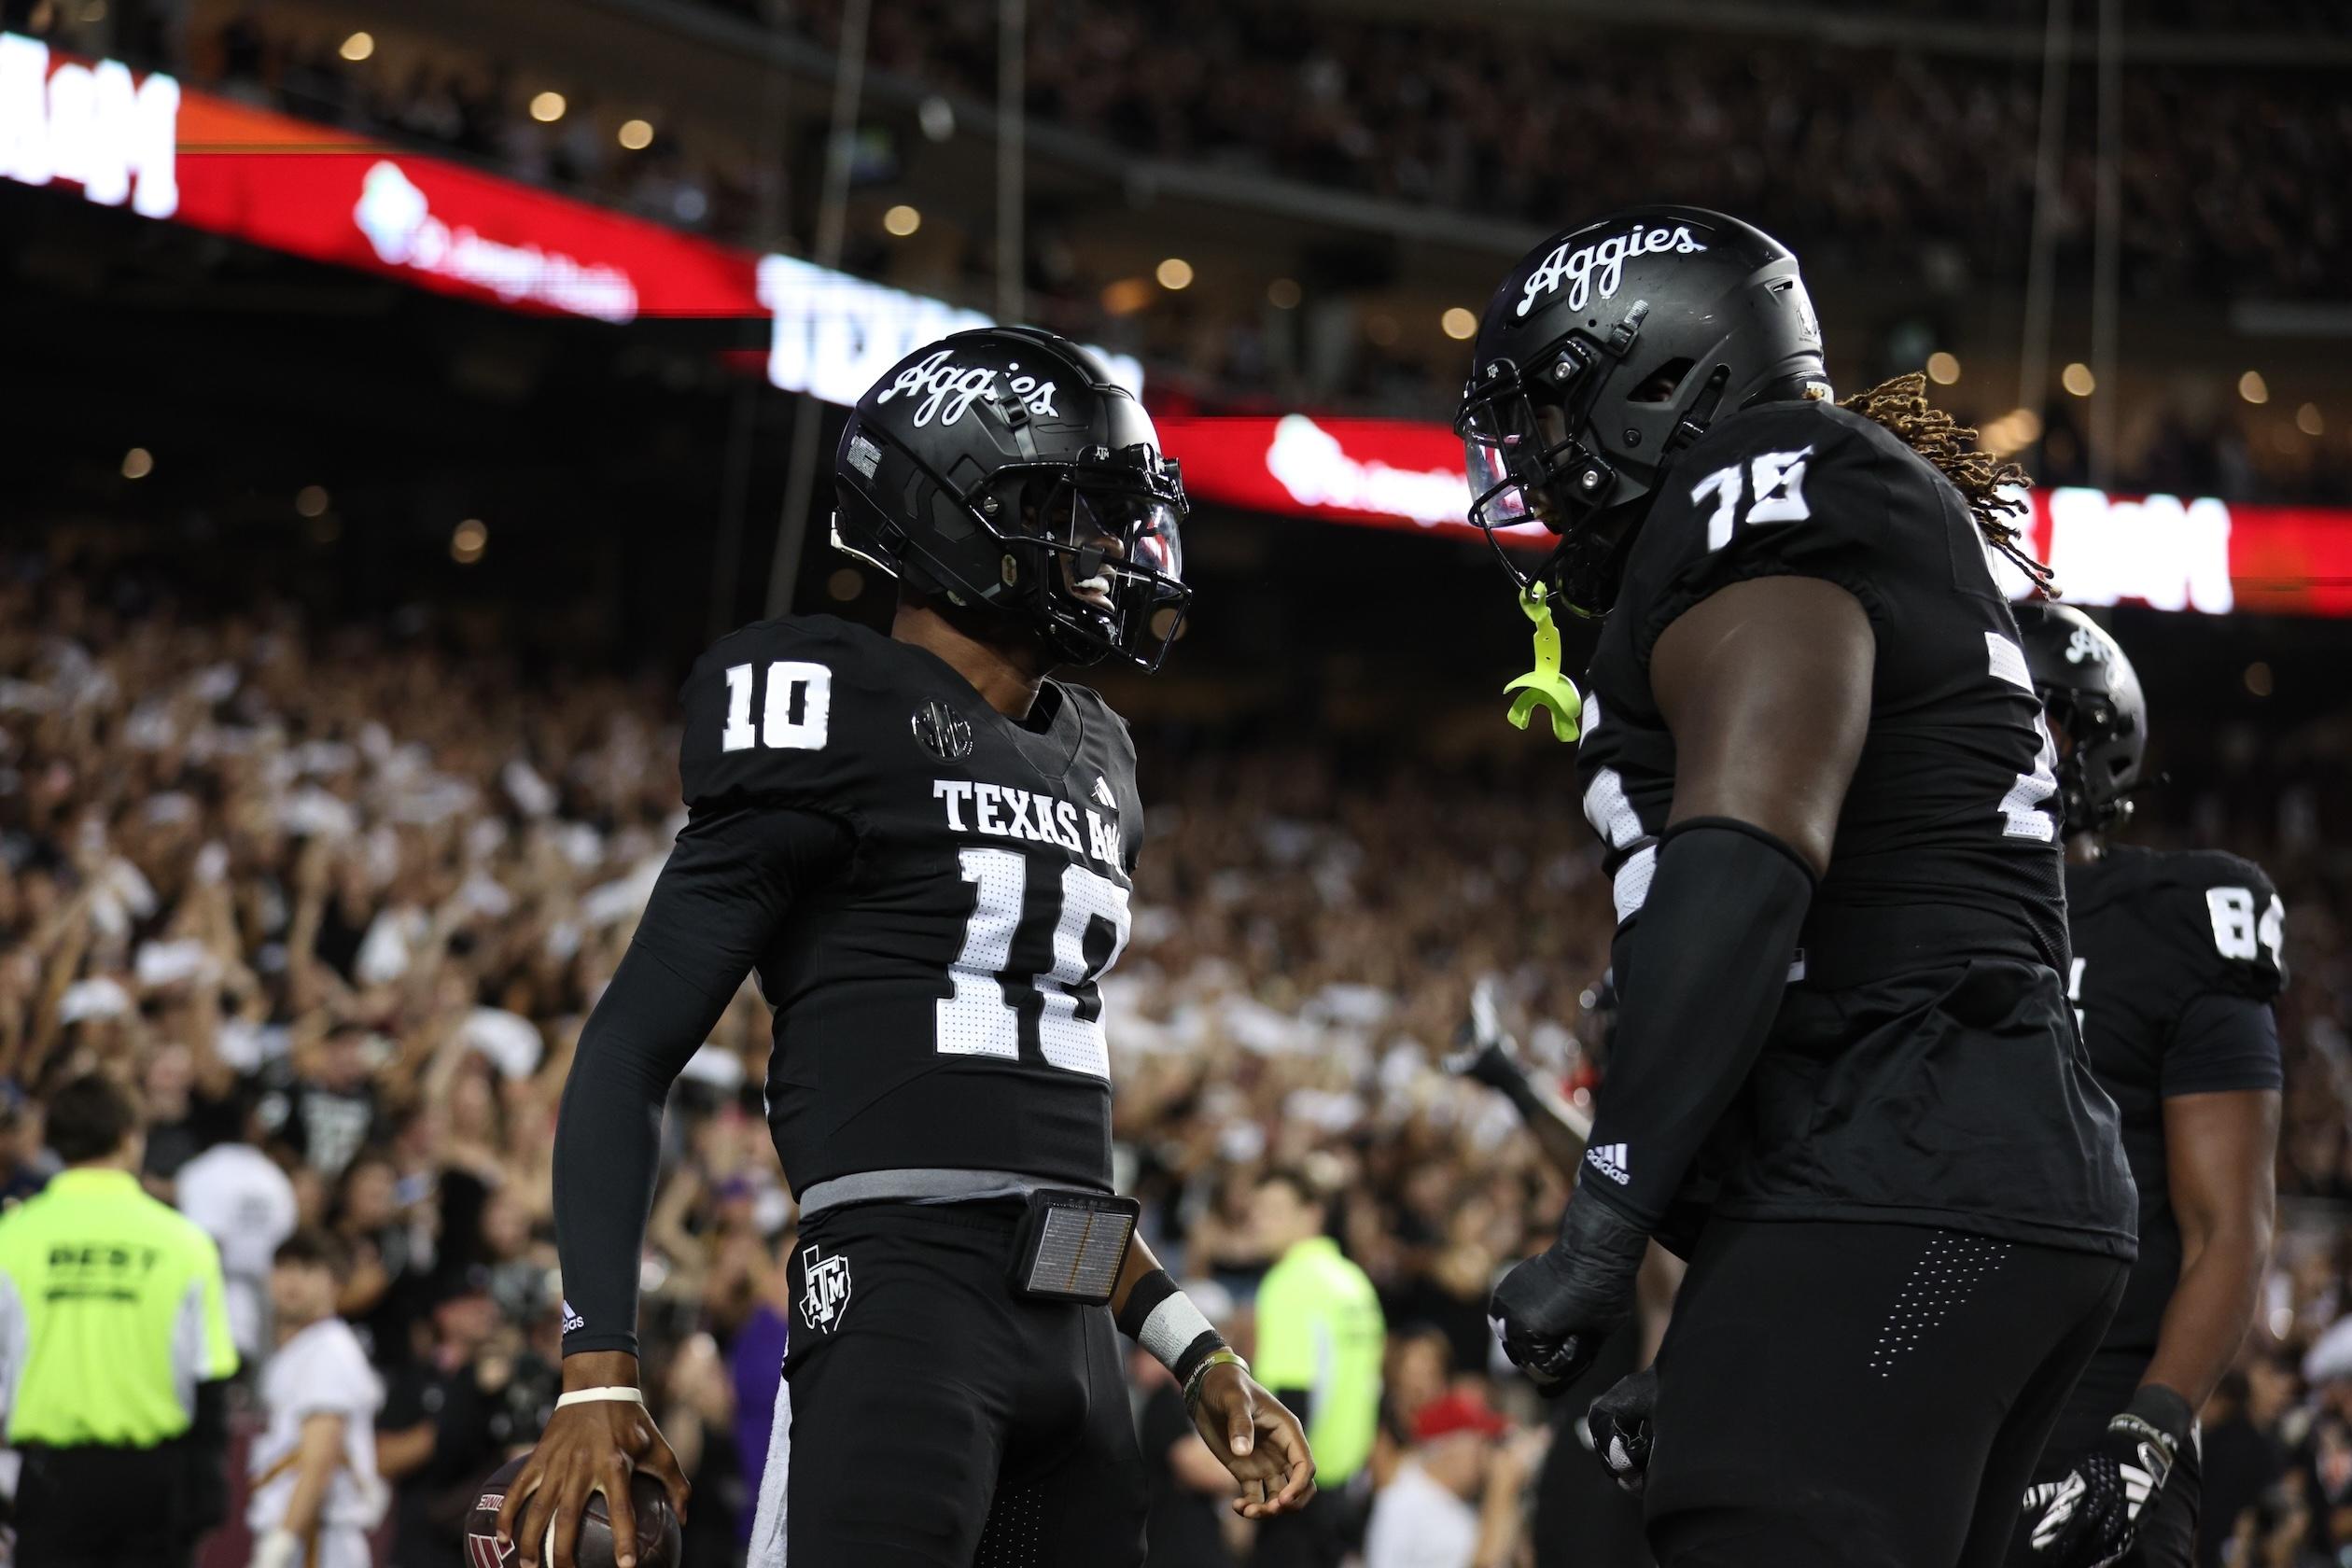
658,1544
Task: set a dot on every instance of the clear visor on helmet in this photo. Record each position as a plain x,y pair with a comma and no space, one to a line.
1129,525
1508,440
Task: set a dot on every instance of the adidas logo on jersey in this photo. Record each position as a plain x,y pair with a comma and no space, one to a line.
1611,1161
573,1321
1103,792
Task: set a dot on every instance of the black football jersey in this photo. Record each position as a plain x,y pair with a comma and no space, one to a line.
1944,1087
936,999
2176,965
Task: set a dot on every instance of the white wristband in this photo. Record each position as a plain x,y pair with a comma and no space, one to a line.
1172,1329
613,1393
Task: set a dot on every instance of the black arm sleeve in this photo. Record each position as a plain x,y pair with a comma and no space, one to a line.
1712,950
714,910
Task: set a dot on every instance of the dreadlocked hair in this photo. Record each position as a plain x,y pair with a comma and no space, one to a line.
1990,485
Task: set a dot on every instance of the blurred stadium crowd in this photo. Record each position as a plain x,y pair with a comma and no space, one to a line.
336,899
2226,188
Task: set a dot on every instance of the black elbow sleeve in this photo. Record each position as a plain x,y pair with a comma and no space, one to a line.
1712,950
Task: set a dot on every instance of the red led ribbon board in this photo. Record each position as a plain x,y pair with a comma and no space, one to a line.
2167,552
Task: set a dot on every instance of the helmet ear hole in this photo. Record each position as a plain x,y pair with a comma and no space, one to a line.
1662,383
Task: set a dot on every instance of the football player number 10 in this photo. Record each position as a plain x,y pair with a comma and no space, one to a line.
978,1017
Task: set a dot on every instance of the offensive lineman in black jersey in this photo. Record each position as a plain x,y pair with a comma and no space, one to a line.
1845,1081
924,848
2176,964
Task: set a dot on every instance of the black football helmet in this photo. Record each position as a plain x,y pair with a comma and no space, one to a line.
1608,349
2092,694
1003,470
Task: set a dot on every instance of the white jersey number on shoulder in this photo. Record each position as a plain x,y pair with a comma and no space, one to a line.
2236,932
1776,483
799,698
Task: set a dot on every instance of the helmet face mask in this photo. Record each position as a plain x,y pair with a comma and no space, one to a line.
1096,550
1607,350
1030,490
1524,448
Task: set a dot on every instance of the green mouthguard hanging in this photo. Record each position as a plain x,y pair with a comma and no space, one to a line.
1543,686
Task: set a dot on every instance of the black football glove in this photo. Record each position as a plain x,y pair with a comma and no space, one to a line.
1482,1052
1621,1429
1491,1064
1554,1310
2090,1515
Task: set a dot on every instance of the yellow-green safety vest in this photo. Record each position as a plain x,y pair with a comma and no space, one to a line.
111,1312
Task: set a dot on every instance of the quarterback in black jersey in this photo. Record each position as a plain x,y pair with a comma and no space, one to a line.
1845,1083
923,847
2176,965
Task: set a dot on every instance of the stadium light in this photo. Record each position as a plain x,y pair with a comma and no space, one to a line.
358,46
2259,679
468,541
1174,272
1126,296
548,108
2308,420
310,500
903,220
2013,431
636,134
137,463
2077,378
2253,388
1283,293
1942,369
1458,324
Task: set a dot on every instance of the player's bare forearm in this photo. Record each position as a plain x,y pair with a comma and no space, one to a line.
599,1369
1489,1057
2218,1154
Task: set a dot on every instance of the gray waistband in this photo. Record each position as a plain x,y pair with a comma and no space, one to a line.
923,1186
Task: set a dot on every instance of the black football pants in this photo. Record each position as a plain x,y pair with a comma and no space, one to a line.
1842,1394
932,1418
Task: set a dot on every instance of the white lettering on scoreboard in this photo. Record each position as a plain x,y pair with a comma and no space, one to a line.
1317,471
90,126
2162,551
835,335
2165,551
